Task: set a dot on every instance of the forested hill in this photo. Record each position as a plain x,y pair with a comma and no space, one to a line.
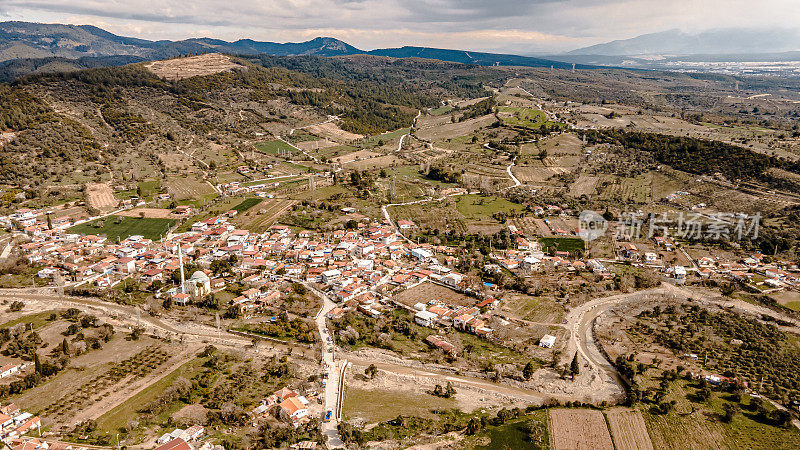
100,119
697,156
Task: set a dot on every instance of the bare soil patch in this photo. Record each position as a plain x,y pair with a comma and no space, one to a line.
332,131
100,196
149,213
573,429
426,292
192,66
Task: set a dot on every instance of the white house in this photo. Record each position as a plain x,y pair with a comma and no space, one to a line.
547,341
452,279
425,318
8,370
422,254
329,276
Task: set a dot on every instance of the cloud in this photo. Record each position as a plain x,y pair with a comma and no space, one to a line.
522,26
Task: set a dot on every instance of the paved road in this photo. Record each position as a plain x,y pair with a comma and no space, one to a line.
511,174
329,365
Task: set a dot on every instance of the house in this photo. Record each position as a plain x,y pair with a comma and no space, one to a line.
452,279
180,299
440,343
175,444
193,433
8,370
292,409
335,313
650,258
425,318
405,224
422,254
126,265
705,262
547,341
329,276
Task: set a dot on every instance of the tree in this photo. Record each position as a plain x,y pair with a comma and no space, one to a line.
575,366
371,371
65,347
473,426
527,371
449,391
37,365
730,411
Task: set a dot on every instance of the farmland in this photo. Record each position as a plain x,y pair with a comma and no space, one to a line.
628,429
192,191
579,428
276,147
246,204
258,219
116,228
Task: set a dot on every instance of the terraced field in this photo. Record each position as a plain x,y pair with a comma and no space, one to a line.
260,217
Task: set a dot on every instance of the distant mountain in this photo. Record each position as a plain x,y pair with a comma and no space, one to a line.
466,57
25,40
713,42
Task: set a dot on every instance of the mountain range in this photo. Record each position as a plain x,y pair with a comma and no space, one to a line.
27,47
713,42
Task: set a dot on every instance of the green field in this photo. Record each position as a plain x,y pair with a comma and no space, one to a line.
477,207
378,405
247,204
120,227
274,147
36,320
523,117
563,244
512,434
441,110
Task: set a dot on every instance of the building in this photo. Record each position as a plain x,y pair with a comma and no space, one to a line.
293,409
8,370
199,285
547,341
422,254
425,318
175,444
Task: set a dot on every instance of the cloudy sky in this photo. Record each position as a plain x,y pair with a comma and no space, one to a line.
519,26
